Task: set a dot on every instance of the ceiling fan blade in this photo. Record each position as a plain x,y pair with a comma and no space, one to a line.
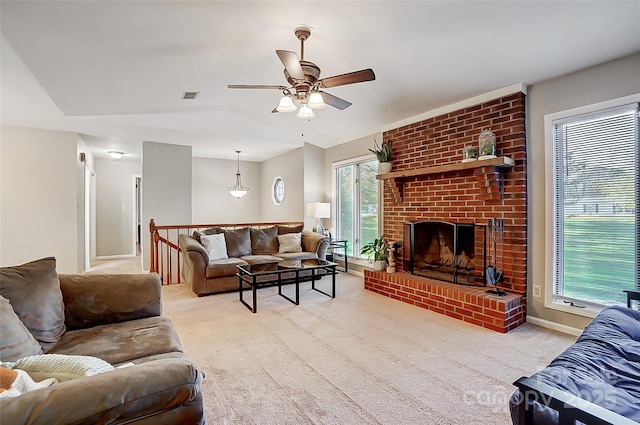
350,78
255,86
291,64
334,101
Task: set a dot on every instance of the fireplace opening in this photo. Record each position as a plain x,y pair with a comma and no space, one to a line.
451,252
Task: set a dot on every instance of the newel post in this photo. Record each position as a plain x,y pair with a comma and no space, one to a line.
153,247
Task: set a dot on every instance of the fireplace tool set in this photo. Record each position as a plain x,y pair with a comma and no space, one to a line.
494,275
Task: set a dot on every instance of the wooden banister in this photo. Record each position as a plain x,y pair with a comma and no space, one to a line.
164,250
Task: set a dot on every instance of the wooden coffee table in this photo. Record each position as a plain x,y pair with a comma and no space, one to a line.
282,272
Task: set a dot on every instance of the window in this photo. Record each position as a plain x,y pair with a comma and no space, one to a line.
277,190
356,194
596,224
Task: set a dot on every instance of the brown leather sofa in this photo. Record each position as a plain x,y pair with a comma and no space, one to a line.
248,245
116,318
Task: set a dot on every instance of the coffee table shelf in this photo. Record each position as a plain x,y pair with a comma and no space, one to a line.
262,275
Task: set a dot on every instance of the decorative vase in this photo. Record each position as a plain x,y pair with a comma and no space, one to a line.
384,167
487,144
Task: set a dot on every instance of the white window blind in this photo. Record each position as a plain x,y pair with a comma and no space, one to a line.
597,225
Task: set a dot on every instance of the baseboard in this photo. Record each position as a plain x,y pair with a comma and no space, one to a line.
554,326
113,257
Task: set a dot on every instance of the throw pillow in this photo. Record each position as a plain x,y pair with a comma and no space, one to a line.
290,242
60,366
238,242
283,230
215,245
34,292
264,241
197,235
17,342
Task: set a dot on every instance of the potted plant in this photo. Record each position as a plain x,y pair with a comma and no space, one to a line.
383,153
379,249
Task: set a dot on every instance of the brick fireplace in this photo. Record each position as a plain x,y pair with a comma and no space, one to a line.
429,183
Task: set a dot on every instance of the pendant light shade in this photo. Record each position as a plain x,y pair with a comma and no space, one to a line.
238,191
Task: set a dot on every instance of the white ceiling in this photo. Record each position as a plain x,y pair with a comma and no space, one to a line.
115,71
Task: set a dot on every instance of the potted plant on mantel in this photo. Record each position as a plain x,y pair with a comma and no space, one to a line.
379,249
383,153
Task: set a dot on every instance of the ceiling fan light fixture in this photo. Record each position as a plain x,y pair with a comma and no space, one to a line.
286,104
305,113
316,101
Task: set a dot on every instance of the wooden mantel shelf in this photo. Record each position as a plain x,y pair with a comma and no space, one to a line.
491,179
501,161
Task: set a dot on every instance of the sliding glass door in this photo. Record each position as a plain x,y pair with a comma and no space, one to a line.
357,202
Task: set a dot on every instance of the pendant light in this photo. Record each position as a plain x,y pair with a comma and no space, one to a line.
238,191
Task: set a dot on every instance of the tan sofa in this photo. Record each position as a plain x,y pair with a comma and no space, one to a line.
116,318
248,245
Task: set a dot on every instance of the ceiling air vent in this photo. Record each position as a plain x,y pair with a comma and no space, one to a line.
188,95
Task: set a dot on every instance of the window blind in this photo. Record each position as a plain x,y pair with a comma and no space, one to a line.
597,225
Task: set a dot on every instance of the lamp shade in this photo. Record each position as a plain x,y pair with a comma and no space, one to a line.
319,209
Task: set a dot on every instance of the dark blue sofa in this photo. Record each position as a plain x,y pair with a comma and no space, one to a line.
595,381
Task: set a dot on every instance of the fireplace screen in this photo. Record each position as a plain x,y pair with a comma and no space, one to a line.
452,252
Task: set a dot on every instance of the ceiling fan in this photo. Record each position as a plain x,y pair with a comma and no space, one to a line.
305,83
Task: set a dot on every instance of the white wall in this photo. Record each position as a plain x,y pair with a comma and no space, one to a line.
212,203
608,81
290,167
166,188
39,197
115,188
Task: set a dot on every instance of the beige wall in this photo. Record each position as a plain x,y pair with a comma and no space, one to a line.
314,188
212,202
166,188
290,167
39,197
604,82
115,206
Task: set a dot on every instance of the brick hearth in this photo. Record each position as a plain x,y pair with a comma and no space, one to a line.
461,195
467,303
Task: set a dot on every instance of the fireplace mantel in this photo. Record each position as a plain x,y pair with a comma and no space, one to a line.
492,177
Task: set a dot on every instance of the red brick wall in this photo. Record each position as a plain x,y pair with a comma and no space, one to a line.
463,196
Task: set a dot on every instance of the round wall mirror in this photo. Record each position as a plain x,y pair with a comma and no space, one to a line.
277,190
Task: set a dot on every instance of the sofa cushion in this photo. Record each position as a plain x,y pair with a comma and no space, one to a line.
223,267
17,341
215,245
60,366
34,292
283,230
291,242
264,241
121,342
290,256
262,259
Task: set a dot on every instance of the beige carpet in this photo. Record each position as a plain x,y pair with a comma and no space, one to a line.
360,358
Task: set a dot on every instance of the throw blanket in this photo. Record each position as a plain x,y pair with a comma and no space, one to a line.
16,382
